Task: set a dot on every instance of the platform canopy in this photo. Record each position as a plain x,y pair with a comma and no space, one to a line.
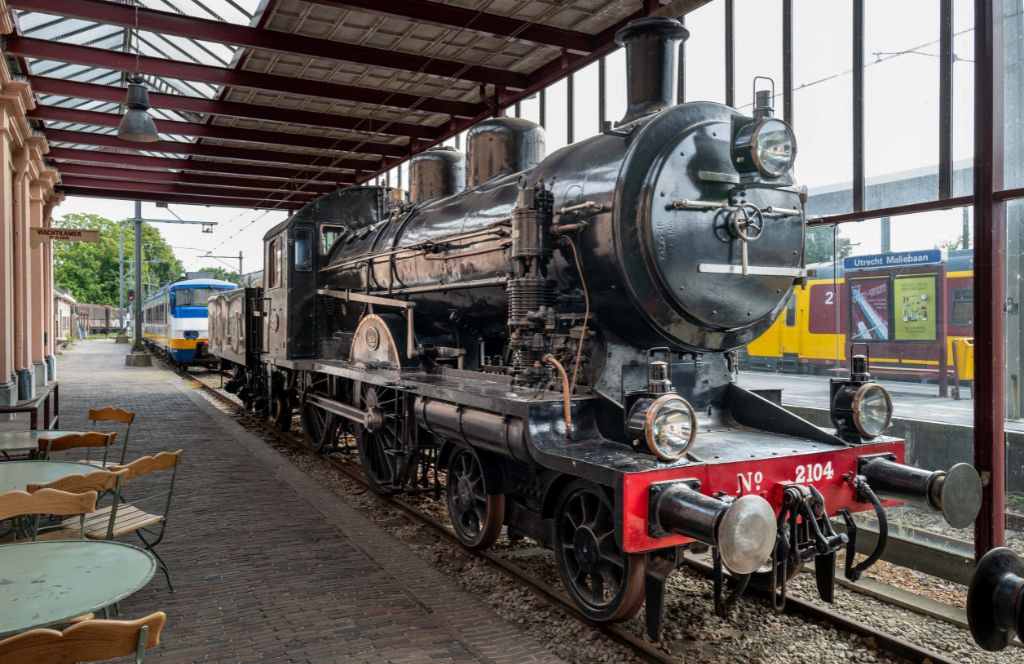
269,103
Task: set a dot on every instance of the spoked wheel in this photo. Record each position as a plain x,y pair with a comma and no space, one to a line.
604,583
380,442
321,428
476,515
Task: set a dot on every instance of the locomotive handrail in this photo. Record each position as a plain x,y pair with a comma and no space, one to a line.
411,350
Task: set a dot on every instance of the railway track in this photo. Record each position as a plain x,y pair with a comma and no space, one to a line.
881,641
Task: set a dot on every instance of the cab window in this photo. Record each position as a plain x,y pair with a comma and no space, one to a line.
963,306
791,310
303,250
182,298
328,236
274,255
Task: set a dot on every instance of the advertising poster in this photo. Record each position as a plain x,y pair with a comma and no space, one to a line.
914,301
869,309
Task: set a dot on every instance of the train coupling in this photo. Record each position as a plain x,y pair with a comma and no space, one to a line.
995,599
956,492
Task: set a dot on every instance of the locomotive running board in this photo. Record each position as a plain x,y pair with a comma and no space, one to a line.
760,270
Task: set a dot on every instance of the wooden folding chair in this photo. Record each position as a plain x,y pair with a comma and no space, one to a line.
145,516
100,481
88,441
118,415
46,501
86,641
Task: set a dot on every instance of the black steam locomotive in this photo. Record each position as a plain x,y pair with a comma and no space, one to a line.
556,336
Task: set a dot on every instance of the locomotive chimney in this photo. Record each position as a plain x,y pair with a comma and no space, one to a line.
650,64
436,173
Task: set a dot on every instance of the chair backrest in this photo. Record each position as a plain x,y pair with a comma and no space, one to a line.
74,440
45,501
149,464
101,480
115,414
87,641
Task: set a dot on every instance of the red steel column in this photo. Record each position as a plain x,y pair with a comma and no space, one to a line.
989,275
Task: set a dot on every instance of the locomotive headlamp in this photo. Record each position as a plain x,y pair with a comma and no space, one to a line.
861,408
667,424
767,146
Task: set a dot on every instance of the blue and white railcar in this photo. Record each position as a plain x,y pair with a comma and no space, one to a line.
175,318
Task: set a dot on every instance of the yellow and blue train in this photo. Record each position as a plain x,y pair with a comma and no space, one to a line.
175,318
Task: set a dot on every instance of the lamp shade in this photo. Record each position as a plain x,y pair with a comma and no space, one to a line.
137,125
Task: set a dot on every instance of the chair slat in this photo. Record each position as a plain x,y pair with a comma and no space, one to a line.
86,641
45,501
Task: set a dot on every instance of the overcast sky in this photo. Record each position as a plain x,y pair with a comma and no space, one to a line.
901,95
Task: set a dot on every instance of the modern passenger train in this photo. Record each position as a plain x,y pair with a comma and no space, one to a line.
175,319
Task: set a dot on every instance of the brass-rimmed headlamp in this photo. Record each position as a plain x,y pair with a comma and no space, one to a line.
667,424
861,408
764,145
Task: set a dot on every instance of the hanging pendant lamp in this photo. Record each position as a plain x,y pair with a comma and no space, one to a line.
137,125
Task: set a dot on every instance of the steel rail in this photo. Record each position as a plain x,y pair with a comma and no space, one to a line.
883,641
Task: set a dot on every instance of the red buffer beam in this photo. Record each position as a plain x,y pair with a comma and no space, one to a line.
253,203
259,185
74,115
179,188
99,57
451,16
142,161
220,151
266,40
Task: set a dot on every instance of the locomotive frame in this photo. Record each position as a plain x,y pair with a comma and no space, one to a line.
559,338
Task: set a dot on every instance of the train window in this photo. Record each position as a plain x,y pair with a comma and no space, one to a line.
328,236
791,310
200,296
963,306
303,250
182,298
274,269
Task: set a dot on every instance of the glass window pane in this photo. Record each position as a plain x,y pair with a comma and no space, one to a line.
963,97
758,47
303,250
901,102
1013,89
529,108
705,53
585,88
615,86
823,103
556,132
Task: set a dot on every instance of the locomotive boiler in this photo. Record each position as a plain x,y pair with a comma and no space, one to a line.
555,336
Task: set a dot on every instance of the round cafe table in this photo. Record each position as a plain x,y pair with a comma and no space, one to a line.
28,439
16,475
44,583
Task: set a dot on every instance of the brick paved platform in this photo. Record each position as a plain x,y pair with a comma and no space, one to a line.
268,565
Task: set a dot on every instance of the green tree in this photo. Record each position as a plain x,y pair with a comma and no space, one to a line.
822,245
89,270
220,273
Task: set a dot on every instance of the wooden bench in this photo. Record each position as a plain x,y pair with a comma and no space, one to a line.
31,406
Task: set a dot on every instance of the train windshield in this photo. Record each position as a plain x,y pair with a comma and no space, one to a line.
193,297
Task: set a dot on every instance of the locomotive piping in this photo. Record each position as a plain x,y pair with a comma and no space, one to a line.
566,406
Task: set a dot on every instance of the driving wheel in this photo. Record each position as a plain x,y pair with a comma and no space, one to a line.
379,441
321,428
605,583
476,515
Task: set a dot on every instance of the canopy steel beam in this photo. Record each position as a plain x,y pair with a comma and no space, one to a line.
130,159
220,151
450,16
99,57
254,203
266,40
200,179
77,116
179,188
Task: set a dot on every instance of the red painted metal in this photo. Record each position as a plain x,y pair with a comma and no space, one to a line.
201,165
267,40
78,116
220,151
178,188
253,203
259,185
99,57
774,472
469,20
989,277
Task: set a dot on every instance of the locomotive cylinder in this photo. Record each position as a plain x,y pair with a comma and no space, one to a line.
651,45
436,173
956,493
500,146
743,531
